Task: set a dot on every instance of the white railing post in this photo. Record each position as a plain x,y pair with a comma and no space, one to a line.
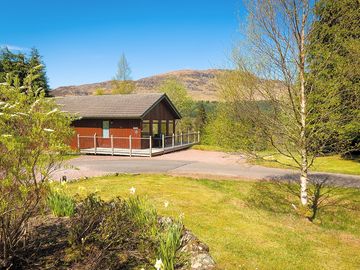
95,143
173,140
78,141
150,146
198,137
181,138
163,141
130,145
112,144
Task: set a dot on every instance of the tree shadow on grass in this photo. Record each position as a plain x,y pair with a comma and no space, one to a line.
330,204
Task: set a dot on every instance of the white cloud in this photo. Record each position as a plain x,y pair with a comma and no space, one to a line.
13,48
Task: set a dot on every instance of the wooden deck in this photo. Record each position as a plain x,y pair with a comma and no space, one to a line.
134,152
137,147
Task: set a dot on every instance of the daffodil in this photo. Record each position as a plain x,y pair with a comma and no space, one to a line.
159,264
166,204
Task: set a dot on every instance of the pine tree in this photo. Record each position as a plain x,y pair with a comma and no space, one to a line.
201,117
18,65
124,71
335,57
41,80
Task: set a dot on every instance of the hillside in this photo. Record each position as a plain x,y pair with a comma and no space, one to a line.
201,84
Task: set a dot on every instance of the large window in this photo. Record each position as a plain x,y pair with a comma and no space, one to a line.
145,131
105,129
163,127
155,128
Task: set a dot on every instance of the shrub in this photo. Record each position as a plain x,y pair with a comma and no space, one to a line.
34,134
121,234
60,204
106,236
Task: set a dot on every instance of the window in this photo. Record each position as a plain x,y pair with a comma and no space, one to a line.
145,131
171,127
106,129
163,127
155,127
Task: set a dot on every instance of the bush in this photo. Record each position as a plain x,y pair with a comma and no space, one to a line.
60,204
34,135
110,235
121,234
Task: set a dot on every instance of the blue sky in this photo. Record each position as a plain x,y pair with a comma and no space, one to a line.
81,41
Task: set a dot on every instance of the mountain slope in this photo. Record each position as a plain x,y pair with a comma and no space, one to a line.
201,84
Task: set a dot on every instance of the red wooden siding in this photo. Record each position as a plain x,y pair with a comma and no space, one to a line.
118,128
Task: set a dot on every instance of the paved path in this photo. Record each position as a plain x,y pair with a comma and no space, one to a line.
190,162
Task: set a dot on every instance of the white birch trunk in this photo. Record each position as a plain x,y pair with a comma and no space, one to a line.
303,109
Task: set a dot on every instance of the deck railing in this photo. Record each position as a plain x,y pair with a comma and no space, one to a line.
146,146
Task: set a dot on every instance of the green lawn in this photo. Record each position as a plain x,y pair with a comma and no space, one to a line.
240,234
332,164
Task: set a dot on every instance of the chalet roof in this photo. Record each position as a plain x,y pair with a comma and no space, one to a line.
129,106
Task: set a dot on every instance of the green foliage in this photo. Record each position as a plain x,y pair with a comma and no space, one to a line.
230,129
121,233
34,135
169,244
251,236
20,65
99,92
60,204
143,213
334,71
122,87
178,94
201,117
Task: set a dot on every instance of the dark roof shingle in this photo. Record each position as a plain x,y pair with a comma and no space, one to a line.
111,106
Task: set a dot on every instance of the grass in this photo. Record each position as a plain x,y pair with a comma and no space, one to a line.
60,204
241,235
205,147
331,164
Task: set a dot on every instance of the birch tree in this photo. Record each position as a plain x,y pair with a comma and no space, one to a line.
272,66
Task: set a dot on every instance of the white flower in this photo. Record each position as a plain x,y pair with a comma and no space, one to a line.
34,104
54,110
159,264
166,204
48,130
182,216
132,190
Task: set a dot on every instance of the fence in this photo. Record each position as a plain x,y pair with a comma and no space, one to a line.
137,146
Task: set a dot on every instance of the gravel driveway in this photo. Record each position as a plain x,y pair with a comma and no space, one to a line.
189,162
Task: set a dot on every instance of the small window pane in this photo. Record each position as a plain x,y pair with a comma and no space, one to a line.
145,128
105,129
155,127
171,127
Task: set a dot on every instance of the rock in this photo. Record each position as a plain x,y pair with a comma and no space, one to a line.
200,258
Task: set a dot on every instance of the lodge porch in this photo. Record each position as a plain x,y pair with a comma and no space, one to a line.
136,146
